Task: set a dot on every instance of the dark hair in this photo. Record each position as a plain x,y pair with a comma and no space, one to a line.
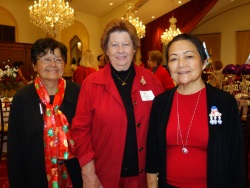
44,45
119,25
17,64
186,36
155,55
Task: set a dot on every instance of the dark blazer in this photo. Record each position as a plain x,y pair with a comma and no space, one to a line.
25,157
225,152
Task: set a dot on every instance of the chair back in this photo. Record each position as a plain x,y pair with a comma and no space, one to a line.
4,113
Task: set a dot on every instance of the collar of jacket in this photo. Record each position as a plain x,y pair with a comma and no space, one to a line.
31,93
105,77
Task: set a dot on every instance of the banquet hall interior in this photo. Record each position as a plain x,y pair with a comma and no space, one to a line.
217,22
222,25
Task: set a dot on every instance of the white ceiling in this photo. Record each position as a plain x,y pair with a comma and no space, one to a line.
146,8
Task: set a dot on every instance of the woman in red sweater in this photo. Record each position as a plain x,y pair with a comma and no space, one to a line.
88,65
155,64
195,135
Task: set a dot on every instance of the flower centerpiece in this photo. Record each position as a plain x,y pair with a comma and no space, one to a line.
230,75
229,69
230,72
244,72
8,81
243,69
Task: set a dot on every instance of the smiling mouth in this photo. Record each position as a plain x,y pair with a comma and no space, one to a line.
121,57
183,72
52,70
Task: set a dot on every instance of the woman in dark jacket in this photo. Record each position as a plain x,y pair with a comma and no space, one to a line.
195,136
39,141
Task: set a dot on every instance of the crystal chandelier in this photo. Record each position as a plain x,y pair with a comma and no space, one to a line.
129,15
170,33
51,15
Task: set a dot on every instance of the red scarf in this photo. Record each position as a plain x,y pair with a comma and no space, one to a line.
57,140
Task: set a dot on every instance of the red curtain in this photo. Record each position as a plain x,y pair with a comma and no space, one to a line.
188,16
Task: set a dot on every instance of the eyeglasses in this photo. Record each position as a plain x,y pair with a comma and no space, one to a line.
46,60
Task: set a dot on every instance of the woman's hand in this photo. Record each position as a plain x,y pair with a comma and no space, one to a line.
152,180
89,177
91,181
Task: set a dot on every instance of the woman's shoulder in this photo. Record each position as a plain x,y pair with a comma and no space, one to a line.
72,88
101,76
145,73
143,70
25,94
27,90
213,90
72,85
165,96
216,94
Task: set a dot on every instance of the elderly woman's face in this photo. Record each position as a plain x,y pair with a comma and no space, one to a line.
185,64
50,67
120,50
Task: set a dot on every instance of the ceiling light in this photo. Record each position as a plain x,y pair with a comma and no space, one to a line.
129,15
51,15
79,46
170,33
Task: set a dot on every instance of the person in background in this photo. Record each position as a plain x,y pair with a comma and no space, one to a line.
88,64
39,139
216,77
155,65
111,121
102,61
20,77
193,138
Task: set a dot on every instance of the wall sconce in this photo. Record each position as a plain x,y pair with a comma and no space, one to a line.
79,46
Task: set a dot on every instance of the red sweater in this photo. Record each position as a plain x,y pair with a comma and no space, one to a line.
81,73
188,170
164,77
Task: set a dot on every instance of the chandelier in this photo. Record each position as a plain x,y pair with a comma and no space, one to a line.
129,15
170,33
51,15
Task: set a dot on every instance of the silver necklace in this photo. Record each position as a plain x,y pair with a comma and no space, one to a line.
123,81
184,146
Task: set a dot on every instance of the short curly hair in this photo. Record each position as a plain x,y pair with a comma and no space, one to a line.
119,25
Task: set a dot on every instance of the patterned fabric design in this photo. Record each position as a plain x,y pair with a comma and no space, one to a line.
58,143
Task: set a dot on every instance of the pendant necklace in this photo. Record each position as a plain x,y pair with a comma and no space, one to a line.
123,81
184,146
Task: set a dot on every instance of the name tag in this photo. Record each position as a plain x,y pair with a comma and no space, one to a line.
147,95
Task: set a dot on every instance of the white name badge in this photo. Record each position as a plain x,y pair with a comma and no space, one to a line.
147,95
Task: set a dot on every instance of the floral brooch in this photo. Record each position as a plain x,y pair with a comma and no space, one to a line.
143,81
215,116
